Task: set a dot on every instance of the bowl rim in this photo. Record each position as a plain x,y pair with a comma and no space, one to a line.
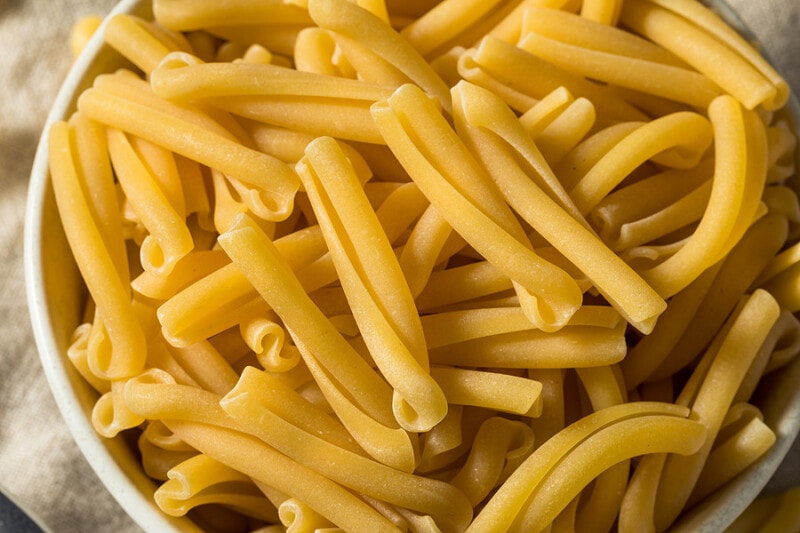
140,509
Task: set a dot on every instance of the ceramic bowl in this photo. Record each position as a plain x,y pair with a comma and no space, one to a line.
56,294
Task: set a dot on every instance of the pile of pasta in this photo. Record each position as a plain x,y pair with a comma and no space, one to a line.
482,265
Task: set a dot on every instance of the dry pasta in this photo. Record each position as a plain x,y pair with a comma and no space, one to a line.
518,265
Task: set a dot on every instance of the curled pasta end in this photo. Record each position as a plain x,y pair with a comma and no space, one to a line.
416,420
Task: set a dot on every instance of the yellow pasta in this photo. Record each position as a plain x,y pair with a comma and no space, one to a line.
263,463
709,392
499,446
182,15
139,41
730,67
201,480
169,239
534,77
722,213
503,509
684,136
347,367
351,22
570,347
733,455
373,282
463,214
493,390
113,299
618,283
339,464
633,72
434,266
451,23
250,166
603,11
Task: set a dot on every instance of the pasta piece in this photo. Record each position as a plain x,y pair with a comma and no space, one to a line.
78,354
552,419
159,356
110,414
204,146
731,456
543,112
350,21
566,131
677,140
666,81
603,11
186,271
142,42
731,67
570,347
201,480
473,107
278,38
457,326
314,51
393,119
368,414
578,161
534,77
448,505
499,447
206,366
266,338
582,441
423,248
624,288
452,23
491,390
461,284
510,28
296,515
709,392
239,451
718,229
373,283
630,217
447,440
111,295
91,158
81,32
182,15
169,239
157,460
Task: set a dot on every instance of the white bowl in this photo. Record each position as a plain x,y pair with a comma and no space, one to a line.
56,295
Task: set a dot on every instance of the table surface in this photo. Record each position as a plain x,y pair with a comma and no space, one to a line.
40,466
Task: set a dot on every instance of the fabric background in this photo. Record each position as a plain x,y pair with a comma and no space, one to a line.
40,466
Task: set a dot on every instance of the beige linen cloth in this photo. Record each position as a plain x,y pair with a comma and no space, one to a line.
40,466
